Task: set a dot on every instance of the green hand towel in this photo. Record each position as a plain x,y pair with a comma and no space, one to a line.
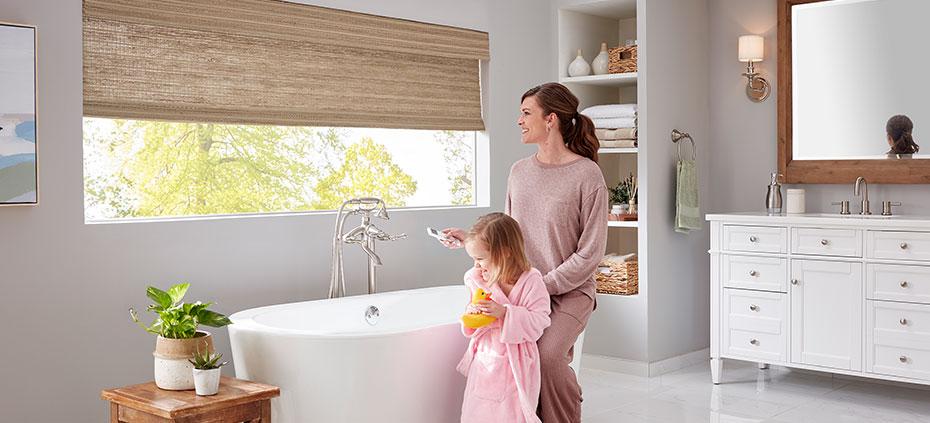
687,207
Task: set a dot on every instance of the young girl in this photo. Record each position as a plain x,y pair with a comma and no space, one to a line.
502,361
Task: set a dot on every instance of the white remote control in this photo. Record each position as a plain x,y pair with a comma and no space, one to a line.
440,236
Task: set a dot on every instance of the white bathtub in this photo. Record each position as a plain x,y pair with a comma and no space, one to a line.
333,366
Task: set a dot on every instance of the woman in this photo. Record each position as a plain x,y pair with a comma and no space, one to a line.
559,198
899,129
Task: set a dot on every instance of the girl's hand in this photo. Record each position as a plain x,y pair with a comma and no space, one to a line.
471,309
456,238
491,308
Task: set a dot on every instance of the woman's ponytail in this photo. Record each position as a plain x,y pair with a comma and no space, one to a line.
581,139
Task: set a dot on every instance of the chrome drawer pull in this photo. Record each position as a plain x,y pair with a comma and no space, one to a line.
753,307
903,284
824,242
753,273
903,245
752,238
903,322
754,342
903,358
795,281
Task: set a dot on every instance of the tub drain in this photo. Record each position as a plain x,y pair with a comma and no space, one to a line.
372,314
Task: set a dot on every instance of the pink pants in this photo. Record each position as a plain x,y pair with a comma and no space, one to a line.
560,394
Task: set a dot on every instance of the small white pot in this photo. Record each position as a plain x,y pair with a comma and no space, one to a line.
206,382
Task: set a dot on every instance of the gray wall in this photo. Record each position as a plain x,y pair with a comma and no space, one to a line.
745,133
66,286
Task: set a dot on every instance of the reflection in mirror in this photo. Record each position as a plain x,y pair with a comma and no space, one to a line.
857,65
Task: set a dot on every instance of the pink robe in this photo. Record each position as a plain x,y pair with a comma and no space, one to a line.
502,360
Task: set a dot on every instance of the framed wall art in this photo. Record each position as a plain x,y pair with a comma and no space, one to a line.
19,175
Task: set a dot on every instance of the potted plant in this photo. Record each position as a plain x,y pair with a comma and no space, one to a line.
206,372
620,194
178,339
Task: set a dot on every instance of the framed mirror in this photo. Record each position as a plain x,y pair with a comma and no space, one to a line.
851,91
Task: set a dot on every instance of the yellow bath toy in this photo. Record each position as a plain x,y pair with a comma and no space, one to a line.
475,321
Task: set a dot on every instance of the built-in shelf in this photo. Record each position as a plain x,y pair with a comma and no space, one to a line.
608,80
616,297
618,150
623,223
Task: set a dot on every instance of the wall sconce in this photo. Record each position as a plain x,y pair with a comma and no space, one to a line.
750,51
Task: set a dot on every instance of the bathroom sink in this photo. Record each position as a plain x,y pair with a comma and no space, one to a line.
845,216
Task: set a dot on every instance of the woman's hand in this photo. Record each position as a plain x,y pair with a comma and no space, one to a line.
471,309
491,308
456,238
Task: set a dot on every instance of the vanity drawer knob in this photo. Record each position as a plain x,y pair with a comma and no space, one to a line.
903,245
752,238
754,342
903,322
795,281
753,307
903,284
753,273
824,242
903,358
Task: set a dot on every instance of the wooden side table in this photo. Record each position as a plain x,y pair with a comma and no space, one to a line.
237,401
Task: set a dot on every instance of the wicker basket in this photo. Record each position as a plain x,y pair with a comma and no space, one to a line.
621,59
621,278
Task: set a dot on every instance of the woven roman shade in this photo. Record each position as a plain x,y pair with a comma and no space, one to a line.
278,63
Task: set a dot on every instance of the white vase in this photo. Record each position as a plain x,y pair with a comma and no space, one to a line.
206,382
579,67
599,64
172,370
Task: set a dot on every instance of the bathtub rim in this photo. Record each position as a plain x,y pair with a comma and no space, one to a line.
245,320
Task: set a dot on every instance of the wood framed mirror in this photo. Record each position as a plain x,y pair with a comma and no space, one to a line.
845,67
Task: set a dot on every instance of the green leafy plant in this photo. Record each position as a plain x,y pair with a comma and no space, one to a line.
177,319
206,360
619,194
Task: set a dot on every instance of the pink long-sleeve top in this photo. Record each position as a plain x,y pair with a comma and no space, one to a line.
562,211
502,359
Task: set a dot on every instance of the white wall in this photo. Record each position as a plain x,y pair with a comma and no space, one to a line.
65,286
744,133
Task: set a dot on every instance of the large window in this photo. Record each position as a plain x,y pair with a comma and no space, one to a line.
144,169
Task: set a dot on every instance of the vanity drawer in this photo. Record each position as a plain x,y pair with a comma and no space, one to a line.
899,339
826,242
755,325
762,273
763,239
899,245
896,282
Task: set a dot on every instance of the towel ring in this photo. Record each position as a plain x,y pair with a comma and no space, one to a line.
677,136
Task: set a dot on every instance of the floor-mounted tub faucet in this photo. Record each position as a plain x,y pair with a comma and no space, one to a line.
364,235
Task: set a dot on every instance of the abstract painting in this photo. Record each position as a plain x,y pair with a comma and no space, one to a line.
18,164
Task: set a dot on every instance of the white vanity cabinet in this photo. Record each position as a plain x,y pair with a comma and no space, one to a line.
841,294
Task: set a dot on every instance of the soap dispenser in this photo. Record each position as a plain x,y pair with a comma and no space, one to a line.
773,201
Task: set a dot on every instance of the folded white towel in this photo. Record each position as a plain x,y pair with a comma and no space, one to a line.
626,122
607,111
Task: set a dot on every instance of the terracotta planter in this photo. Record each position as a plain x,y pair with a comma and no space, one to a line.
172,370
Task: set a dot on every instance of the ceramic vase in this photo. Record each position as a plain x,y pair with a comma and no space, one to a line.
579,67
599,64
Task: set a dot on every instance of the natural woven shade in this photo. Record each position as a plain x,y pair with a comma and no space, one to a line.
278,63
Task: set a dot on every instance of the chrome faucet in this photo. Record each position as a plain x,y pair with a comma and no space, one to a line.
865,194
364,235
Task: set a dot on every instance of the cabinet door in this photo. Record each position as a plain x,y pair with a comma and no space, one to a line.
826,313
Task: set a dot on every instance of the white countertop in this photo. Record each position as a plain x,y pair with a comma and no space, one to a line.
903,222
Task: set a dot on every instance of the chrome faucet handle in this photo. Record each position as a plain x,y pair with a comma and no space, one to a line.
386,237
844,206
886,207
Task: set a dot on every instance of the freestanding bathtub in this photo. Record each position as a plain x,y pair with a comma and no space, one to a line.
338,360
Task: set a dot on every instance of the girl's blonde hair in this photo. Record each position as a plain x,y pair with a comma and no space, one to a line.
504,241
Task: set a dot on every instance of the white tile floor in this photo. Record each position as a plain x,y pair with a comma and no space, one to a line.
747,394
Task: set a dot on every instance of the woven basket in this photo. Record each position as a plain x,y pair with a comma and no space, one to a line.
621,59
620,279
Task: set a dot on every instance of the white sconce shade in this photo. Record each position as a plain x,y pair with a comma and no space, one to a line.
750,48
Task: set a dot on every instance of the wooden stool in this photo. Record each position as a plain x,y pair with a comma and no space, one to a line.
237,401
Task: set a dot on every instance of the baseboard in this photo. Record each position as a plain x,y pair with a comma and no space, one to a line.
642,368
